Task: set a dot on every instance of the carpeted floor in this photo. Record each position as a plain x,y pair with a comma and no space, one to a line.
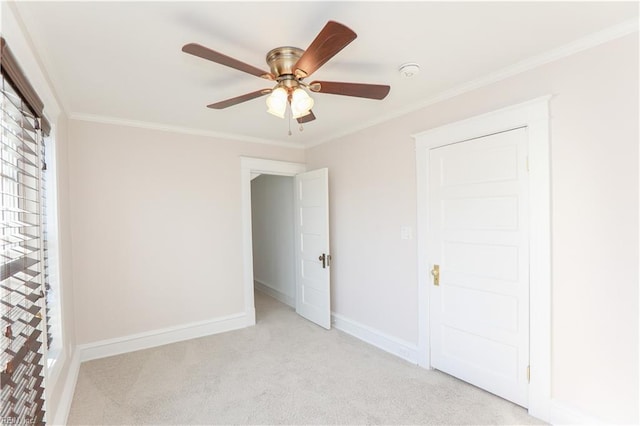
285,370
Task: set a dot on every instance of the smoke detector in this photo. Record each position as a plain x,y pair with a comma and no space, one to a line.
409,69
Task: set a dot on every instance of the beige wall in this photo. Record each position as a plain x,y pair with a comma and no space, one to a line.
594,156
372,193
156,227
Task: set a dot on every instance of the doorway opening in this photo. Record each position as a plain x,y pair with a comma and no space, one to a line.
252,168
312,258
272,227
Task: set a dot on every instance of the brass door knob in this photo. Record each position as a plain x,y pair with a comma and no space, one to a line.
436,274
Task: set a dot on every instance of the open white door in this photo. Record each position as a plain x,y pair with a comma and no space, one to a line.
312,246
479,245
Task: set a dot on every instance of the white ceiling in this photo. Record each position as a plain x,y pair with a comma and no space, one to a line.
123,60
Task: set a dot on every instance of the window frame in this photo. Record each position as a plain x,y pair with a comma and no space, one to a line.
51,360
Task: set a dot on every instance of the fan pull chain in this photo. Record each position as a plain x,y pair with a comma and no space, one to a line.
290,115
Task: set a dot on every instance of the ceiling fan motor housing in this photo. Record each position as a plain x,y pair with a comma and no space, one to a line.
281,61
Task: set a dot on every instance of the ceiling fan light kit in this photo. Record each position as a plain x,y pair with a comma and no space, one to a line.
289,66
301,103
277,102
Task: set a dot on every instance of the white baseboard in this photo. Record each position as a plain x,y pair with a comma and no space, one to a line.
563,414
165,336
393,345
66,398
276,294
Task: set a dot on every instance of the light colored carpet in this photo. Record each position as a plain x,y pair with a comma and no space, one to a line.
285,370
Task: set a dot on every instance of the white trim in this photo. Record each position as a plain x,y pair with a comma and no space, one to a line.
562,414
56,357
276,294
177,129
535,116
393,345
249,166
272,167
66,396
584,43
164,336
54,362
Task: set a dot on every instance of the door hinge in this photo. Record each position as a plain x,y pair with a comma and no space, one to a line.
528,374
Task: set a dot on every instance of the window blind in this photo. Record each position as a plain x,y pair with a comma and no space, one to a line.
45,244
50,258
22,273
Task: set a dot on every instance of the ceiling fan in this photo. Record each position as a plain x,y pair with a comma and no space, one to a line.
289,67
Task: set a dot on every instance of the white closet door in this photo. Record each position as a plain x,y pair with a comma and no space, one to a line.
478,221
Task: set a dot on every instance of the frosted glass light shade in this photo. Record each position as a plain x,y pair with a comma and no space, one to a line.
301,103
277,102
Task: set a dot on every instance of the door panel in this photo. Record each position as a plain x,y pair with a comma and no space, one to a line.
312,242
479,313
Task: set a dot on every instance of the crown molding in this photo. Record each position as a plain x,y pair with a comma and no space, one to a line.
178,129
584,43
30,59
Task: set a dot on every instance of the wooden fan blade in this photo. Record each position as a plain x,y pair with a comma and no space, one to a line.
370,91
333,38
239,99
211,55
306,118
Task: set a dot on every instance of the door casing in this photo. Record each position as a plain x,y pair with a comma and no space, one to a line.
534,115
249,166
